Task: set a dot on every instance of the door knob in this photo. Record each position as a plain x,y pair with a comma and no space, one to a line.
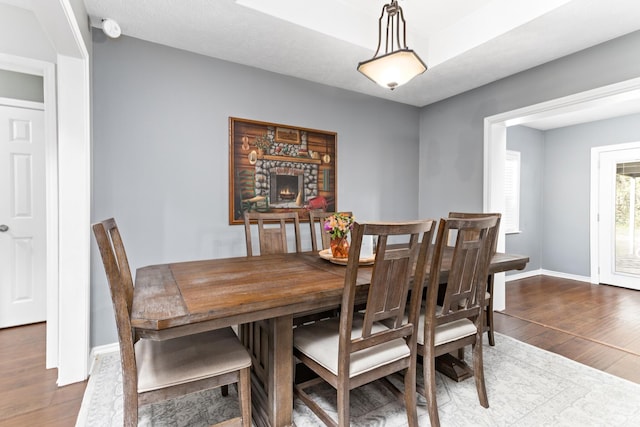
4,228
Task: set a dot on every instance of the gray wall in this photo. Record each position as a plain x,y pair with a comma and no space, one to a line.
161,152
161,145
452,130
530,143
21,86
566,200
556,190
452,133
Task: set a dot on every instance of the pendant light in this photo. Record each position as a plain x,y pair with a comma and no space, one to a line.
399,64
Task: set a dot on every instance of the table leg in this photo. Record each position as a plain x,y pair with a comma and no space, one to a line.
453,367
280,371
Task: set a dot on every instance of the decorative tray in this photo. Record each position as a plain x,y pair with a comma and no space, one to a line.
326,254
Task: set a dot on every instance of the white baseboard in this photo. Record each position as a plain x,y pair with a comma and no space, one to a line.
522,275
566,276
543,272
101,349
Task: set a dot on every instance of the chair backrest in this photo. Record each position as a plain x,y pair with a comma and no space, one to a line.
272,231
475,215
392,278
318,217
463,293
118,273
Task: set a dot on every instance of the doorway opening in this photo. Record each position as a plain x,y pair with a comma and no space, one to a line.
495,145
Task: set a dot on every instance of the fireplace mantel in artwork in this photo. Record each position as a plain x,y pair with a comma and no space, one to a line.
275,167
291,159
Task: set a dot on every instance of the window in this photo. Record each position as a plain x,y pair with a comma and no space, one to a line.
511,219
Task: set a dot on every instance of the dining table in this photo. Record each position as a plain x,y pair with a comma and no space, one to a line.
181,298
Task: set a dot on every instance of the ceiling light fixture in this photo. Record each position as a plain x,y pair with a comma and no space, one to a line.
111,28
398,64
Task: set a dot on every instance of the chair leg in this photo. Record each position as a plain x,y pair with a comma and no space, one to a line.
130,403
429,367
478,371
489,311
224,390
489,315
410,396
244,396
343,404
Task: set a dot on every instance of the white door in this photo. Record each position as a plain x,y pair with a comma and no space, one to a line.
22,217
619,225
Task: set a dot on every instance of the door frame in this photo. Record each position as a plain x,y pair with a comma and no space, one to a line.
68,336
495,146
595,202
47,71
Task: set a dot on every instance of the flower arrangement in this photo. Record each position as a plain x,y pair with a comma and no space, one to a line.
263,142
338,225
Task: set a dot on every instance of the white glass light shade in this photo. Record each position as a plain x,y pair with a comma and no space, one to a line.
393,69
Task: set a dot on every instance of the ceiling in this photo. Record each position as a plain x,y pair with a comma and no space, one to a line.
465,43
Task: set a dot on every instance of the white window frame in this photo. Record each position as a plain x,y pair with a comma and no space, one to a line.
511,218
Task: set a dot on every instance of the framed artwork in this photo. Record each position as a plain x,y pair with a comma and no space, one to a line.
280,168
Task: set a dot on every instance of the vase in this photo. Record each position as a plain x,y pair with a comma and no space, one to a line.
340,247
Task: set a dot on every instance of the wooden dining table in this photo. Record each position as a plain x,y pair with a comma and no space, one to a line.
183,298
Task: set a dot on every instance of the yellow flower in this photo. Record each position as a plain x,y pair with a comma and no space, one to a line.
338,225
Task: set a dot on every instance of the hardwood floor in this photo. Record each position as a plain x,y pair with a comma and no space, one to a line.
29,395
597,325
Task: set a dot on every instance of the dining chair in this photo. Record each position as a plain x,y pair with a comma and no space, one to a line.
456,321
317,218
488,298
370,342
272,239
272,231
154,371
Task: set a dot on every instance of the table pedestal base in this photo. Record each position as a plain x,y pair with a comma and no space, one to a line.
453,367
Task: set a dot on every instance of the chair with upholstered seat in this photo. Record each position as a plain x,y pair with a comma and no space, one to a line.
317,218
371,341
456,321
488,299
272,231
154,371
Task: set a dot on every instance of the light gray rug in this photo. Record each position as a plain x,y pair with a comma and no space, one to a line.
526,387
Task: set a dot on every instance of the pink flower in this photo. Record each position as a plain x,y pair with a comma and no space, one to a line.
338,225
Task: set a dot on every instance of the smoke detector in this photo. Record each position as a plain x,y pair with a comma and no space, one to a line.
111,28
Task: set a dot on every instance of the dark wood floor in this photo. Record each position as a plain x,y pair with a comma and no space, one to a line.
29,395
595,325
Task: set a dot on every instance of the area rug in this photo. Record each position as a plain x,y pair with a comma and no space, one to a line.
526,386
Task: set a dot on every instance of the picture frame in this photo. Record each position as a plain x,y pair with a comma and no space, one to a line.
280,168
287,135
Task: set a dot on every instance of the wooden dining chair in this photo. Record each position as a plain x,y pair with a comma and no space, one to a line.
456,321
370,342
154,371
316,221
272,231
272,239
488,299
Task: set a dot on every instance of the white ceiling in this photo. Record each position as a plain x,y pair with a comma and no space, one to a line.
465,43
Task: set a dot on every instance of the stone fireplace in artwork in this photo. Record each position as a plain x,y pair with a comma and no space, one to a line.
287,184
